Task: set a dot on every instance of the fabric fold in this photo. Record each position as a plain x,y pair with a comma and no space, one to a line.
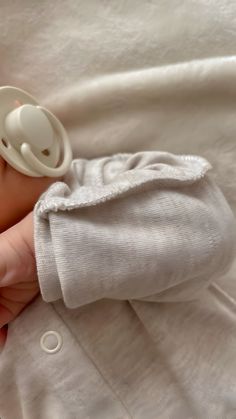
150,226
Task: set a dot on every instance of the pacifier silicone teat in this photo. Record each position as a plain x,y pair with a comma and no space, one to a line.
32,139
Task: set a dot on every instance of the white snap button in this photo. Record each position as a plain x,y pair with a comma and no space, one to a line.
51,342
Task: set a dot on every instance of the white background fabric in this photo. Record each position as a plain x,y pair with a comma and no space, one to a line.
126,76
130,75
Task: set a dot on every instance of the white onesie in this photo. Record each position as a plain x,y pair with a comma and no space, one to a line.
119,235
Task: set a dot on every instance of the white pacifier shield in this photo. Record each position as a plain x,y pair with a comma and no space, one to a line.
32,139
29,124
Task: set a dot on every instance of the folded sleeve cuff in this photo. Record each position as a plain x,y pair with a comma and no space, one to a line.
46,265
132,227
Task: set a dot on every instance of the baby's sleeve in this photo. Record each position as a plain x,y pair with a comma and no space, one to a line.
150,226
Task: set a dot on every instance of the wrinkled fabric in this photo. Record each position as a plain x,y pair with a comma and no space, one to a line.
119,235
124,77
149,226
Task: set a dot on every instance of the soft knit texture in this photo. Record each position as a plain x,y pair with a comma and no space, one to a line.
121,230
126,76
146,226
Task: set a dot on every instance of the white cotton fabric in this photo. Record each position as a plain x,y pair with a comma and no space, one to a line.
119,235
148,226
125,77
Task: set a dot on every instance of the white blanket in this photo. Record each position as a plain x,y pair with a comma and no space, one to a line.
136,75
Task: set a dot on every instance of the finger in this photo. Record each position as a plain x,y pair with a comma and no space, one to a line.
19,294
3,337
6,316
11,304
3,267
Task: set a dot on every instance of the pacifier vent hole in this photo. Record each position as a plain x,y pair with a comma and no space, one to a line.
5,142
46,152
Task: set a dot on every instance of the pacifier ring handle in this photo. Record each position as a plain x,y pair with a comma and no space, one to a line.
40,167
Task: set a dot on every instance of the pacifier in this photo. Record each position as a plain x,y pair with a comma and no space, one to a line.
32,139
